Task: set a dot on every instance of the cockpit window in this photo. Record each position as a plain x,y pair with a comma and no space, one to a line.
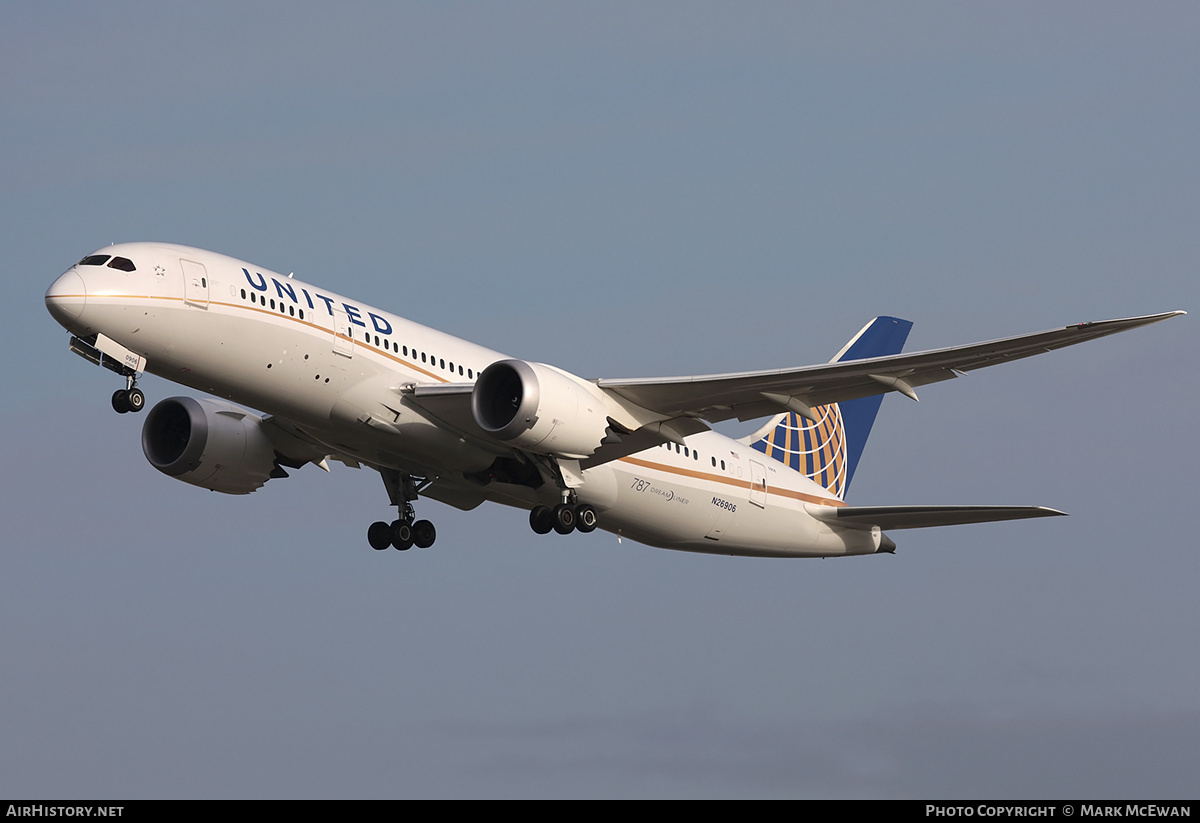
122,263
94,260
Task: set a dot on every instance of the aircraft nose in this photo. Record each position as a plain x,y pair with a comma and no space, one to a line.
65,298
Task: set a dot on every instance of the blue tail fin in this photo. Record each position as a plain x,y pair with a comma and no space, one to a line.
828,451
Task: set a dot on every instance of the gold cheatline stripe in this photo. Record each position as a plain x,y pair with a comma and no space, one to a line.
731,481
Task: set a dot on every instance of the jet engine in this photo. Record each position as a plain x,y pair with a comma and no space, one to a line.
540,408
210,444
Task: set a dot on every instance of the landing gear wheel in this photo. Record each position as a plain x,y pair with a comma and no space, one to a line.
541,519
135,400
423,534
564,519
405,531
402,535
120,401
379,535
585,518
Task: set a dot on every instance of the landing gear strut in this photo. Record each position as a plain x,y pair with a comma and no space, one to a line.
406,531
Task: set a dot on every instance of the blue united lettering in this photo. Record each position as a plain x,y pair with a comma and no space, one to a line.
284,288
261,285
381,325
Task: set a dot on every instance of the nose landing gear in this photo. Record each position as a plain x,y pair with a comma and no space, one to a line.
113,356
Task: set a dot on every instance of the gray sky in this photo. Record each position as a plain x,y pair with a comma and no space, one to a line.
621,190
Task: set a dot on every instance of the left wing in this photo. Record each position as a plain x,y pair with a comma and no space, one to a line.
750,395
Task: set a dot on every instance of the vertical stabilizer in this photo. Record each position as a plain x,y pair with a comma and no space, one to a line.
829,449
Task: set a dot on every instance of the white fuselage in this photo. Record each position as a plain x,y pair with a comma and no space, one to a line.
332,366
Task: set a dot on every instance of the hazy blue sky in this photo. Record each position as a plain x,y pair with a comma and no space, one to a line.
621,190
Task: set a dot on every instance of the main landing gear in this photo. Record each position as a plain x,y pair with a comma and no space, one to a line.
563,518
402,534
406,531
130,398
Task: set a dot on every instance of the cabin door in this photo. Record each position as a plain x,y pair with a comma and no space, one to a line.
195,284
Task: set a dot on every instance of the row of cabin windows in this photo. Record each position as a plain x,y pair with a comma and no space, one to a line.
393,346
382,343
284,308
692,453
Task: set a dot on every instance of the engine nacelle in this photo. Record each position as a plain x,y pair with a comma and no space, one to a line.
540,409
209,444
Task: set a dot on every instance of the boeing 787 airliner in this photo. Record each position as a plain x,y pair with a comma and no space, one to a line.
443,418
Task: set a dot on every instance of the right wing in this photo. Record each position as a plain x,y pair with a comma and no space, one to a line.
655,410
750,395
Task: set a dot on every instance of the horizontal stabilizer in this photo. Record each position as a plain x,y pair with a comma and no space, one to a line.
923,517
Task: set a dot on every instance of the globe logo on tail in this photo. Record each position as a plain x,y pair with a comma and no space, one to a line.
816,450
